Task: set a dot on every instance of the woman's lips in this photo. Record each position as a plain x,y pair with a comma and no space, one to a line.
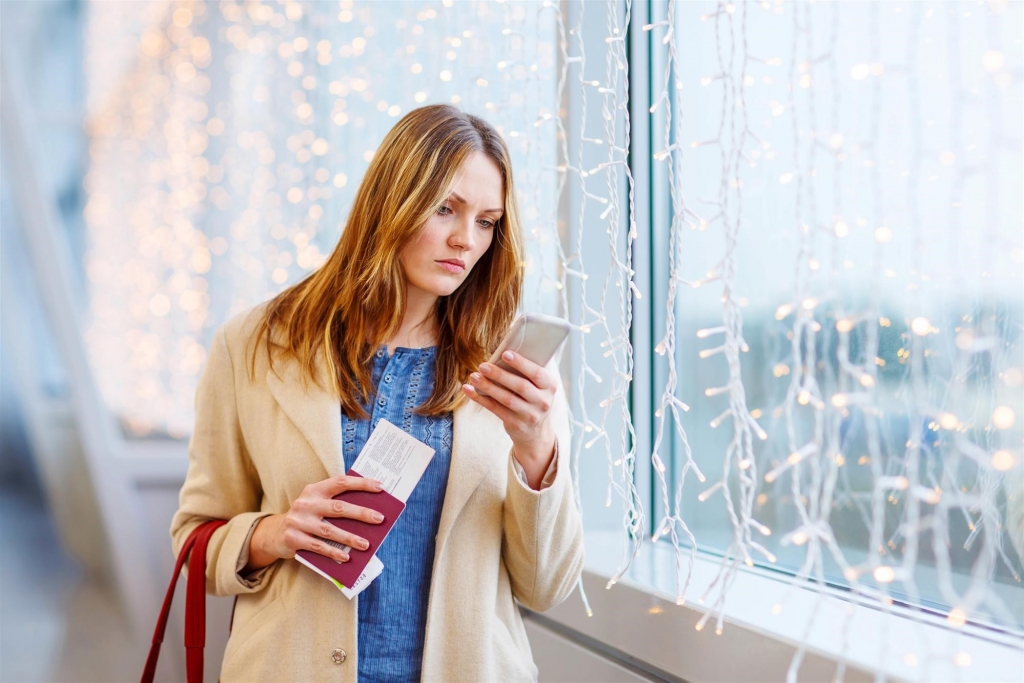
451,267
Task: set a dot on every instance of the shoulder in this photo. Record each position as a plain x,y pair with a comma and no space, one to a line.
233,341
239,329
244,323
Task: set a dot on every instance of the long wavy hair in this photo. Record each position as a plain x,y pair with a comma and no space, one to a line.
355,302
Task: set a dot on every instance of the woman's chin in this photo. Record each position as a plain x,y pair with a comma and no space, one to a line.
446,286
439,289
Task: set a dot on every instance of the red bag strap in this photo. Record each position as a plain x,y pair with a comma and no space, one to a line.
195,604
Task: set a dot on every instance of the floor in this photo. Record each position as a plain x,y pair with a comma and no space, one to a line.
56,623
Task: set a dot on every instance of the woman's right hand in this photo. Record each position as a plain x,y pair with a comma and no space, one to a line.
302,527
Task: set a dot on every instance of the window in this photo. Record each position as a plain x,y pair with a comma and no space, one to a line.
856,153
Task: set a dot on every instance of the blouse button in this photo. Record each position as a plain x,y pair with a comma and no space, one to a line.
338,656
382,402
387,379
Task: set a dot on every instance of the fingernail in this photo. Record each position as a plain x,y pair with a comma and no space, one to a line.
378,484
364,544
508,355
344,558
485,368
475,377
377,517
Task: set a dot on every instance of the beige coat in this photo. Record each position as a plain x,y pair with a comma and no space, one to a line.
256,445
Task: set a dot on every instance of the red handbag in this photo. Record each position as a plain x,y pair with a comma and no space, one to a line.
195,605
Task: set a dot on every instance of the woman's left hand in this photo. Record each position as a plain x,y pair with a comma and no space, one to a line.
523,404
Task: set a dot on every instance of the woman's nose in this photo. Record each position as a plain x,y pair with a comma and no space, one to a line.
462,236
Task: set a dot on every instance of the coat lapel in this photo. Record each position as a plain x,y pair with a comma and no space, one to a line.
476,434
477,438
315,412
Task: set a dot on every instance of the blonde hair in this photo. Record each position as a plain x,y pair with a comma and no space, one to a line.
355,302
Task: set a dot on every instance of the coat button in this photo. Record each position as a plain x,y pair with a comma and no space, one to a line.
338,656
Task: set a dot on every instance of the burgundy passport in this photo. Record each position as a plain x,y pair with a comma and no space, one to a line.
383,502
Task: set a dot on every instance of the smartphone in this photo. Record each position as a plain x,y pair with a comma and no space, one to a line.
534,336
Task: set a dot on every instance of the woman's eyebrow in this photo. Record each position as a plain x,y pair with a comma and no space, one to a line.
459,199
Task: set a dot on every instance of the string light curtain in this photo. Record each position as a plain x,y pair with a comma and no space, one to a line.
841,358
844,309
797,217
227,142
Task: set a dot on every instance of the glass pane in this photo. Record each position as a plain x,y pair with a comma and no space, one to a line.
874,192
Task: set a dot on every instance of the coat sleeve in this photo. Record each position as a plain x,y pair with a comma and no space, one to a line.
221,482
542,543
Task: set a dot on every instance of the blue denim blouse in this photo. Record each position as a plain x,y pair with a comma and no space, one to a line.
393,609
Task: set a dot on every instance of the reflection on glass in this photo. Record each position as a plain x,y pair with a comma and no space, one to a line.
860,161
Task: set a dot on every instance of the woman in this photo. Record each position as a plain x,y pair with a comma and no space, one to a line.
419,290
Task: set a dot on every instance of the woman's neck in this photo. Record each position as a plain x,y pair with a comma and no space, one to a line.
415,339
419,327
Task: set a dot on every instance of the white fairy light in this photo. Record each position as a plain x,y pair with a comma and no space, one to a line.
1003,460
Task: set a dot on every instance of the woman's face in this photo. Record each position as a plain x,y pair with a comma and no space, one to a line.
453,240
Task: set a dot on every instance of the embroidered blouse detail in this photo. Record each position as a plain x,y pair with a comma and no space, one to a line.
393,609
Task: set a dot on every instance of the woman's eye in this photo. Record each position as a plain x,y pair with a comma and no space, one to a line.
445,210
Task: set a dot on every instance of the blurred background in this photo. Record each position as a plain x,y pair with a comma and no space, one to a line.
166,165
55,604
